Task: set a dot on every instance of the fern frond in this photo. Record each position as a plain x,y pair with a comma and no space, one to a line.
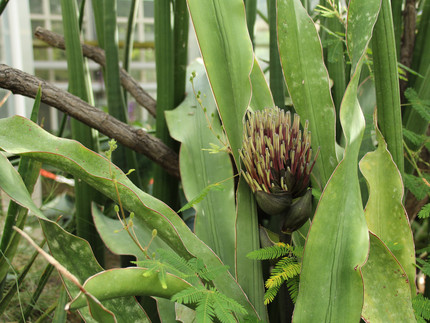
204,310
175,261
273,252
190,295
201,196
424,212
293,287
285,269
270,294
232,305
421,306
209,274
425,266
223,313
417,186
419,105
414,138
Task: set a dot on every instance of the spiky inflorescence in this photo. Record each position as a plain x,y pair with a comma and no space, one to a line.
276,155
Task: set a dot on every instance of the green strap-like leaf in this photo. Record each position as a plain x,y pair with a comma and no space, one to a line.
385,214
387,296
307,81
131,281
331,288
197,129
19,135
227,53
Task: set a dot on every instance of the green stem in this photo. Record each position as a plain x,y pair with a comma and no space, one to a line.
251,15
387,84
165,187
276,76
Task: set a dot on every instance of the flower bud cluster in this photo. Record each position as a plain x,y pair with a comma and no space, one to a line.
276,154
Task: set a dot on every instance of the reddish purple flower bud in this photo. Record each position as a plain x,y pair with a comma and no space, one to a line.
277,158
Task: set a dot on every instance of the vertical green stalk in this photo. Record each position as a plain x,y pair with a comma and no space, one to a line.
276,76
335,62
421,63
387,84
251,16
165,187
79,86
180,43
396,9
123,157
130,34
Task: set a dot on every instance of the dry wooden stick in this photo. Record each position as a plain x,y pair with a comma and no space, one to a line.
98,55
25,84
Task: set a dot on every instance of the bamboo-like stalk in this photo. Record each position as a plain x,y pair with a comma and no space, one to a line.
275,69
123,157
396,9
335,62
79,85
180,44
251,17
387,84
165,188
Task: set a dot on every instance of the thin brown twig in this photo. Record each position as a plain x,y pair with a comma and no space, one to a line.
98,55
136,139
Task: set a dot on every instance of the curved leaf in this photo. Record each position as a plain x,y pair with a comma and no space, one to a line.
226,48
331,287
308,81
105,285
76,255
21,136
387,296
197,130
119,241
385,214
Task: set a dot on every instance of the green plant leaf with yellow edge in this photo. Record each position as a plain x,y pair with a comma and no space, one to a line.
387,296
385,214
331,287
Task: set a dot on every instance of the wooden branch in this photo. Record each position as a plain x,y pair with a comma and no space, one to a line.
98,55
25,84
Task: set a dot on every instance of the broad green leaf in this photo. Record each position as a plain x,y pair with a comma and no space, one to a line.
385,214
386,78
12,184
119,241
331,287
76,256
261,96
197,129
226,48
105,286
79,85
249,272
308,81
387,296
19,135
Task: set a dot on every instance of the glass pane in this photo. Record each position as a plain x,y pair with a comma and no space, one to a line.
36,6
148,9
57,27
55,7
149,32
123,8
